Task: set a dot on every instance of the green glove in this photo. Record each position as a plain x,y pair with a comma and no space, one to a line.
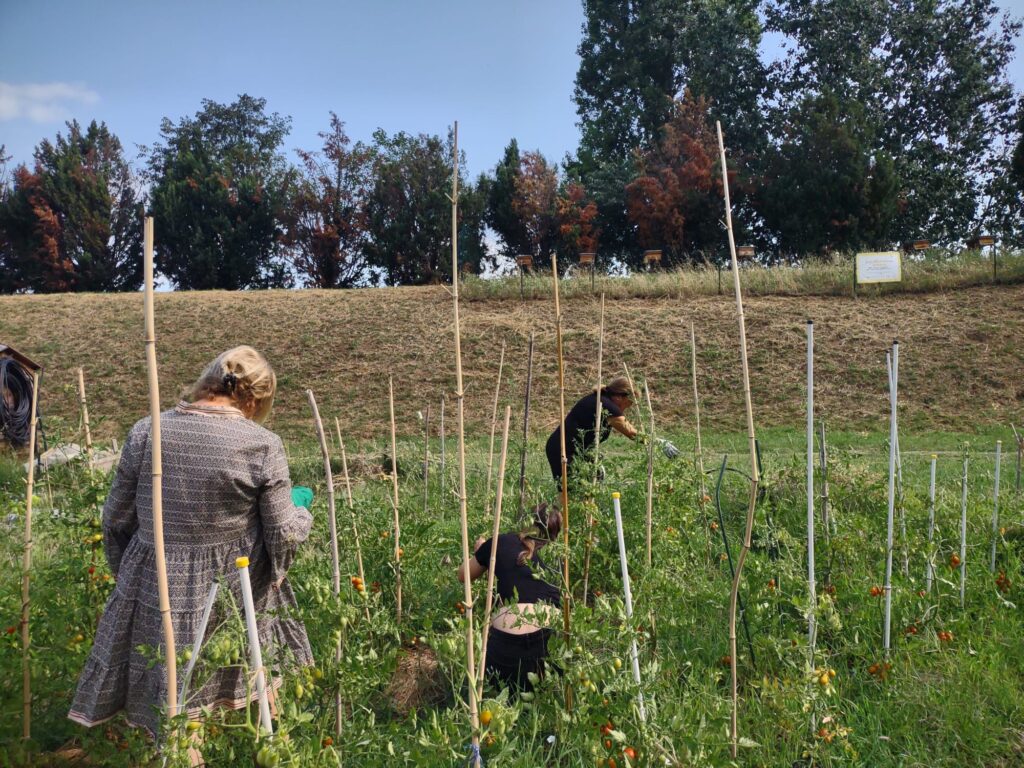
302,496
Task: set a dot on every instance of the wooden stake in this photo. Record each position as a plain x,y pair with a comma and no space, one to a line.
467,587
566,611
170,659
526,431
394,502
26,567
494,424
636,397
597,453
352,512
495,530
85,419
332,520
426,462
650,474
755,476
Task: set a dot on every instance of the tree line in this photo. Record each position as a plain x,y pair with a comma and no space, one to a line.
878,121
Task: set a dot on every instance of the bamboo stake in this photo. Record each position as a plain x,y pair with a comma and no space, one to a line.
526,429
597,453
628,596
566,611
893,363
812,598
426,462
636,397
85,419
332,520
930,569
702,501
157,472
494,425
352,513
495,530
995,508
963,534
394,502
755,476
26,567
467,589
650,474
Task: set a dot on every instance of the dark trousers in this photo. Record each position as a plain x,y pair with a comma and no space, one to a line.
511,657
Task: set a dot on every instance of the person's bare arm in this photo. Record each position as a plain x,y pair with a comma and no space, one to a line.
621,424
472,565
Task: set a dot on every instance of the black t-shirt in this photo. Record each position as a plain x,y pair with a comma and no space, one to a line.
581,424
513,578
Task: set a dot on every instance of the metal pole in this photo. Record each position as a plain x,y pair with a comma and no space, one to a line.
812,598
893,388
930,570
995,508
624,566
963,535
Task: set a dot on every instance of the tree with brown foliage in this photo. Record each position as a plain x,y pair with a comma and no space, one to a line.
577,214
536,190
325,225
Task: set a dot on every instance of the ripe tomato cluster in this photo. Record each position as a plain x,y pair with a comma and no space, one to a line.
945,636
880,670
954,560
876,591
1003,584
357,584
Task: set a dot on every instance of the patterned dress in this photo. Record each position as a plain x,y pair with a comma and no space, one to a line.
226,493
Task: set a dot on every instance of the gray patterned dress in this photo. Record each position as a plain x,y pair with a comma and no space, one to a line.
226,493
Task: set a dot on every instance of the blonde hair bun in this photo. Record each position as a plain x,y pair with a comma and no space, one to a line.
243,375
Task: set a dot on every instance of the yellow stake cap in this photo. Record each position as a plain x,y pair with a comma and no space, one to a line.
935,455
241,562
616,495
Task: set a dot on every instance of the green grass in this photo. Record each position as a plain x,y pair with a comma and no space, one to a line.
943,703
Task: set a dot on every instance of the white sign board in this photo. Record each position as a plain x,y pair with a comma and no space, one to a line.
879,267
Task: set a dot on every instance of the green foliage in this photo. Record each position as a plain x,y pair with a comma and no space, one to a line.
501,215
219,183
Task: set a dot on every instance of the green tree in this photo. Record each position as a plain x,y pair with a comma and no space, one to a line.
825,188
931,78
219,186
325,219
408,211
500,215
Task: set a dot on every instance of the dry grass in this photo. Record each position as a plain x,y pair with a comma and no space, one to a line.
961,354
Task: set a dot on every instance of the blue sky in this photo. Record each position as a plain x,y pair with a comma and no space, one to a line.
503,69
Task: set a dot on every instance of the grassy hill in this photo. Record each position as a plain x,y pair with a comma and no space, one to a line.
961,354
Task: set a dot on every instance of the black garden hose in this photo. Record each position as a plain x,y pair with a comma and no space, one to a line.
15,402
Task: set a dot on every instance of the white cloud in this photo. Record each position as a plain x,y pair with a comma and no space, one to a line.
42,102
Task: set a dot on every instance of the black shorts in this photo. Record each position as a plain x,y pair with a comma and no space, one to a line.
510,657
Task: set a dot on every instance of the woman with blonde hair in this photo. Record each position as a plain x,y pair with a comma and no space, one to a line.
226,494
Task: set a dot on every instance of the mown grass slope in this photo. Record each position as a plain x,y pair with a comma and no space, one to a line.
961,358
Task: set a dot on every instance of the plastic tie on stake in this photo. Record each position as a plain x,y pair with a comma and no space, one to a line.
474,758
241,562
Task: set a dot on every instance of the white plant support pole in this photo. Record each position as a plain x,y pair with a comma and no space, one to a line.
634,658
893,390
812,598
930,569
442,447
904,545
650,474
255,653
197,643
995,508
963,535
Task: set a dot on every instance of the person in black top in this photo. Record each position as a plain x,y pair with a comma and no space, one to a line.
581,424
517,642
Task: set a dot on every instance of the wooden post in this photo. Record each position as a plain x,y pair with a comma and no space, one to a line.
394,500
755,476
170,659
526,430
26,566
597,453
467,588
332,520
494,424
495,530
85,418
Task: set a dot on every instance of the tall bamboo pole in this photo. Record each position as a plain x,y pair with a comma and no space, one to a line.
26,566
157,472
332,520
394,502
352,511
930,570
526,430
995,507
963,534
495,530
650,475
893,363
636,397
812,598
755,476
566,611
597,452
494,425
85,418
426,461
467,588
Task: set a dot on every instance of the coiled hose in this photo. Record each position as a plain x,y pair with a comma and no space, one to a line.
15,402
